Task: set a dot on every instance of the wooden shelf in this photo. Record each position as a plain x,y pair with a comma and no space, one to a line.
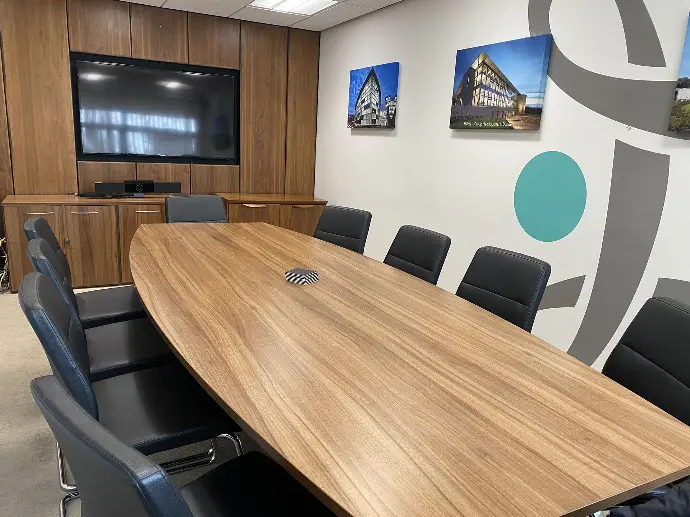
61,200
273,199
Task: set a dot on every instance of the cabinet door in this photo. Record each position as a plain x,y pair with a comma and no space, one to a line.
15,217
131,216
300,218
254,213
90,243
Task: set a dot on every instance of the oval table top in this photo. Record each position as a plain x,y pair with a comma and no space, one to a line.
388,396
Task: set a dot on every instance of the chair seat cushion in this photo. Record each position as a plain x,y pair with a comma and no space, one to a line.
104,306
125,347
159,409
251,485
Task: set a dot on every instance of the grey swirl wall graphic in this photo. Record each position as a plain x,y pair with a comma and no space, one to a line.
562,294
636,201
641,38
639,180
672,288
611,96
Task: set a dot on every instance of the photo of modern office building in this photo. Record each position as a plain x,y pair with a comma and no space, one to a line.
485,97
373,96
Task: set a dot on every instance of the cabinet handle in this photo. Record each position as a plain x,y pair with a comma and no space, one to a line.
83,213
148,211
255,206
303,206
40,213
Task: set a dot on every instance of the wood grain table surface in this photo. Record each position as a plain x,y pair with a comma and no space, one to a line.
388,396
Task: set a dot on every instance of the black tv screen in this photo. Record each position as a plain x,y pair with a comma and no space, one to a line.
131,108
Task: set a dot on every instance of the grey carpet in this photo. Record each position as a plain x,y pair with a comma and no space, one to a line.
28,471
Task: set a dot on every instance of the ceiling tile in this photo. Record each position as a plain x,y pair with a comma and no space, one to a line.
213,7
374,4
252,14
334,16
155,3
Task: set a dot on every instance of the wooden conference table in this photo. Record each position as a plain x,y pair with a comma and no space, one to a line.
387,396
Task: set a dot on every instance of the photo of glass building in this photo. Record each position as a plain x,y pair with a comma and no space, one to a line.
374,96
369,101
501,86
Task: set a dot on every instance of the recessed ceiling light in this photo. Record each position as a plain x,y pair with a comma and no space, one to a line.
306,7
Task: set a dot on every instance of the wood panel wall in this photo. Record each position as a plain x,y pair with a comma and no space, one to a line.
91,172
214,41
166,172
211,179
99,27
302,91
263,108
6,183
159,34
39,96
279,80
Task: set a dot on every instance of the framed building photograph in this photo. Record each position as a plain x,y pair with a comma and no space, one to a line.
374,96
501,86
680,111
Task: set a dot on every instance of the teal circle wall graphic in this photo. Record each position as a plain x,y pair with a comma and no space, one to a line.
550,196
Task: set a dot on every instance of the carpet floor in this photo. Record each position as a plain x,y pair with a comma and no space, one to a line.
28,469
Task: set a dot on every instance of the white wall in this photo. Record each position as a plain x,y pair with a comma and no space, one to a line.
462,183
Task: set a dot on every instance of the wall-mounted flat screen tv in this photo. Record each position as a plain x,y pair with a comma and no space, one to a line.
127,109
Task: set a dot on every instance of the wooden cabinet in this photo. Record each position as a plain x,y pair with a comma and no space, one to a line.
131,216
254,213
96,234
90,243
15,217
300,218
294,212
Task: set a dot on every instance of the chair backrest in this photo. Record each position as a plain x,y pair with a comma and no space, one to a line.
419,252
652,357
45,261
38,228
61,335
114,480
509,284
345,227
195,209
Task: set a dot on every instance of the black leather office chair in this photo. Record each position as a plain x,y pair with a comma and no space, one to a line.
345,227
195,209
152,410
115,480
98,307
509,284
115,348
674,502
651,358
419,252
